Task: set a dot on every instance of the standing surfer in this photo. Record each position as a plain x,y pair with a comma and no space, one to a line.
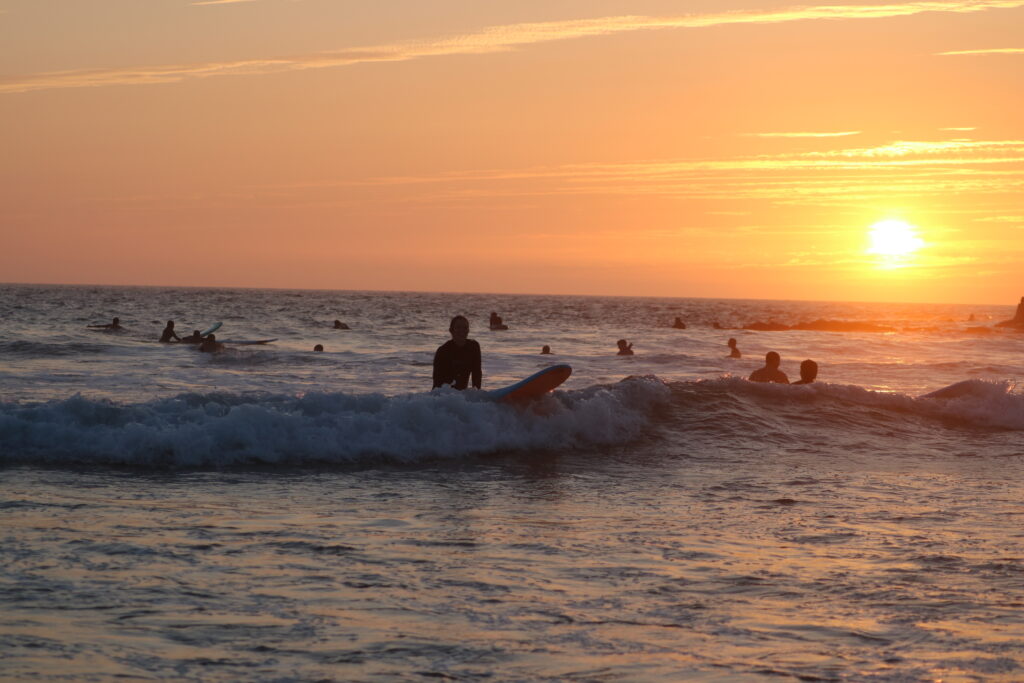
458,359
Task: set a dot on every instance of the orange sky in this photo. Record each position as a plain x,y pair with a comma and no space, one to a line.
723,148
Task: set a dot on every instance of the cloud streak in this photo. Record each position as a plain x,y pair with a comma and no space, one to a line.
486,41
840,134
988,51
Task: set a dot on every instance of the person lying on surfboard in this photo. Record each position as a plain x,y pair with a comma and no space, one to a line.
458,359
114,325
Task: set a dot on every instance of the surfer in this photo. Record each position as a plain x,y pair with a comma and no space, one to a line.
545,350
194,338
338,325
770,372
165,336
808,372
318,347
735,352
679,324
113,325
210,344
496,322
625,348
458,359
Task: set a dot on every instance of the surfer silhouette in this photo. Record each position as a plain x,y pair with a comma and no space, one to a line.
735,352
318,347
210,344
545,350
194,338
165,336
115,324
457,361
679,324
770,372
808,372
338,325
496,323
625,348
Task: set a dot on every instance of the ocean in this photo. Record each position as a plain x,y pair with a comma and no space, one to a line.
270,513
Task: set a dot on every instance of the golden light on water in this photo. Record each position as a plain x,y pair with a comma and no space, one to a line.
894,240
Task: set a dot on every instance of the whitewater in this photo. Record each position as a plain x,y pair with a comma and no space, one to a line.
273,513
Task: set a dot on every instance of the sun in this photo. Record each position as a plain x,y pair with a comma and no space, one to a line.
893,237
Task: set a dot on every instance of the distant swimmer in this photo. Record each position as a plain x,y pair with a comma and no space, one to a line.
545,350
625,348
496,322
458,359
210,344
114,325
808,372
338,325
679,324
318,347
168,333
735,352
770,372
194,338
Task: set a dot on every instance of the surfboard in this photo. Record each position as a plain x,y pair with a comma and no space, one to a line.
211,329
533,386
246,341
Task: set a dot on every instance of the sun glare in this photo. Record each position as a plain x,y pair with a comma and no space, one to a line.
894,238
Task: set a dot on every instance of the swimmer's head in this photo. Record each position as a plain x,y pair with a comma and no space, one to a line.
318,347
808,370
772,359
459,327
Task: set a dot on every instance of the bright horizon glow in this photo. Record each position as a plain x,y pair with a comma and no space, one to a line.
734,150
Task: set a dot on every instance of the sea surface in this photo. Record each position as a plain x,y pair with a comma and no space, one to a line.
270,513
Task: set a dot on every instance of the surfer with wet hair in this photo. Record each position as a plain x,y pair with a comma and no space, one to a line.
808,372
770,372
165,336
735,352
457,361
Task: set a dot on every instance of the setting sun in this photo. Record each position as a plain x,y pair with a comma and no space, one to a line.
894,238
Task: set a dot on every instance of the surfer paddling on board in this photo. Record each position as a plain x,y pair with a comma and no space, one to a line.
770,372
458,359
165,336
115,324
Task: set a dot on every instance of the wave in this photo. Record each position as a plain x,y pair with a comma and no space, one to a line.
220,430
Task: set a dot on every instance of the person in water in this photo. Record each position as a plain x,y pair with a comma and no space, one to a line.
318,347
770,372
625,348
735,352
194,338
457,361
210,344
168,333
113,325
496,322
545,350
338,325
808,372
679,324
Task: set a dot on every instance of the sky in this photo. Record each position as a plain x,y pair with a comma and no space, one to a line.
705,148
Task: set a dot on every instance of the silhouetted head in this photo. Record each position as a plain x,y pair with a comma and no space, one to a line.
622,343
808,370
170,323
195,333
772,359
732,343
318,347
545,349
117,321
211,337
459,327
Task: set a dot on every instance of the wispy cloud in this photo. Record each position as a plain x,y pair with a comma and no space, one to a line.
489,40
988,51
964,128
803,135
220,2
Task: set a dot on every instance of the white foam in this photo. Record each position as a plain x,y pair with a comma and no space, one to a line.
224,429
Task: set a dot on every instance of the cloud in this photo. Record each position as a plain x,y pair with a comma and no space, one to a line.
964,128
803,135
989,51
488,40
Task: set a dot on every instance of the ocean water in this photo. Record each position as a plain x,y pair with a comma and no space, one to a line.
270,513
